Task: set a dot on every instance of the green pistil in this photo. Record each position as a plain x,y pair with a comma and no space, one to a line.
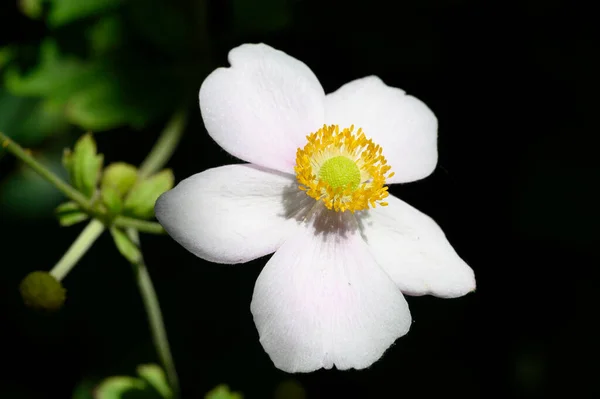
340,172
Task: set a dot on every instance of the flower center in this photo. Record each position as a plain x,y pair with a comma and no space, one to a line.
340,172
343,169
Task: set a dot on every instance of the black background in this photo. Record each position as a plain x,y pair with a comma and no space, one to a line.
514,87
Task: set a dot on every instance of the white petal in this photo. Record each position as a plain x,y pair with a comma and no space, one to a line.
402,125
233,213
414,251
322,300
262,108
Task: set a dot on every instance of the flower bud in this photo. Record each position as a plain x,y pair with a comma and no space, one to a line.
84,165
40,290
119,176
142,197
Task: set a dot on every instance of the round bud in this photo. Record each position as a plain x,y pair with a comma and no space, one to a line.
40,290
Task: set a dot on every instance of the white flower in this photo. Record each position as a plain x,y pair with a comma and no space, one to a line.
313,193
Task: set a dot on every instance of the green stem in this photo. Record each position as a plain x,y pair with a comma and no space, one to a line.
56,181
79,247
165,145
157,326
138,224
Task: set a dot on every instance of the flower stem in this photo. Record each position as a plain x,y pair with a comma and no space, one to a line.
157,327
165,145
79,247
140,225
56,181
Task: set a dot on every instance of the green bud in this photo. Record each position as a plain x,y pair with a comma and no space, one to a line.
142,197
119,176
223,392
84,165
40,290
112,200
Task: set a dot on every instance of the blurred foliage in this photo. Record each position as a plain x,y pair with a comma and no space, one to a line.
151,383
223,392
24,193
95,65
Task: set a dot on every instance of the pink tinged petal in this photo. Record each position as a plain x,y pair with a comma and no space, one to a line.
322,300
233,213
402,125
262,108
414,251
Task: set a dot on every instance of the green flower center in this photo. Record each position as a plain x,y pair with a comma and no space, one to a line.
340,172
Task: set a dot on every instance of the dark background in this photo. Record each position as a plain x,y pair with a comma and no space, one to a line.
514,87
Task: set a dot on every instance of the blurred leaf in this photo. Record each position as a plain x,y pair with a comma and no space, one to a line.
69,214
102,106
140,201
29,120
84,390
120,388
54,77
155,376
223,392
126,247
106,34
65,11
25,194
99,94
290,389
32,8
6,55
264,16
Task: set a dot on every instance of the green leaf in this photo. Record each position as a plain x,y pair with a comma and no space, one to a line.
142,197
69,214
84,165
112,200
32,8
120,176
101,106
84,390
29,120
114,89
6,55
55,77
106,35
121,387
155,376
63,12
126,247
223,392
119,94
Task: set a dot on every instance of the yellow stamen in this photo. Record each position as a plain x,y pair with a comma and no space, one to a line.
343,169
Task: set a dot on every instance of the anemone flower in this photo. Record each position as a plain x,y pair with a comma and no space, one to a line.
314,193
